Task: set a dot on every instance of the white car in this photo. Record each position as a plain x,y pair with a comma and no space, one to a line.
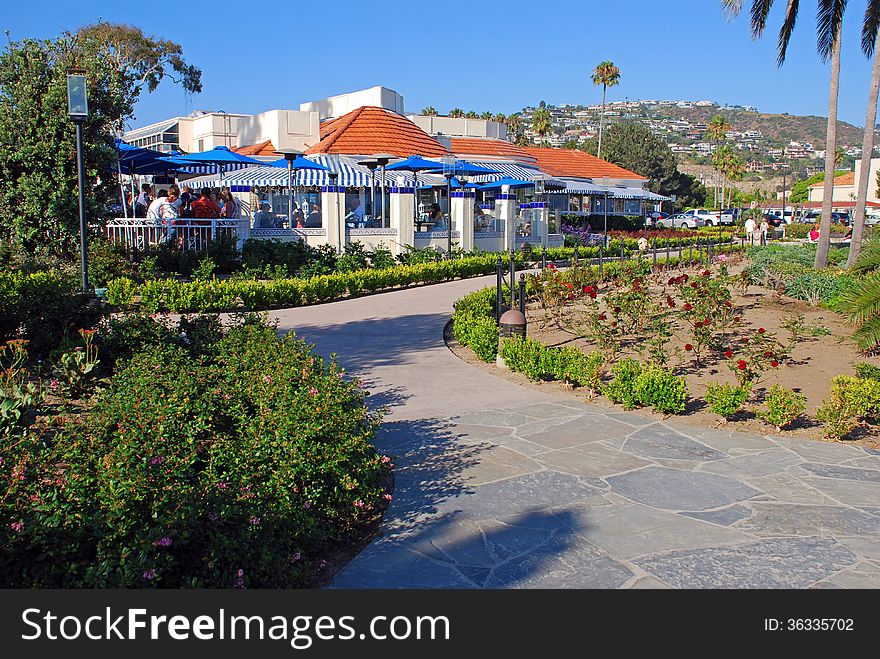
681,221
710,219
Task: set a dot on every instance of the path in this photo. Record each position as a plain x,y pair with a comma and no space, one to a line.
502,486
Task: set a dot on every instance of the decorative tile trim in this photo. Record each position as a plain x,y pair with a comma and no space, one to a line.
488,234
372,231
401,190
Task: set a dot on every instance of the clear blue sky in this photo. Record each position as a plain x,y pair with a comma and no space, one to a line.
483,56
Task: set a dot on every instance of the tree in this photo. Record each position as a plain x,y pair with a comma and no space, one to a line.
541,123
607,75
800,191
429,111
500,118
38,171
456,113
716,131
570,144
828,20
470,114
870,29
486,115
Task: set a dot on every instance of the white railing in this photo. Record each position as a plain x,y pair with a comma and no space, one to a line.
184,233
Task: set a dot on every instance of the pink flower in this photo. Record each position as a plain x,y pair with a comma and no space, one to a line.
267,378
149,575
296,556
385,459
17,526
163,542
53,384
239,579
222,485
307,505
387,497
313,391
322,564
254,520
359,504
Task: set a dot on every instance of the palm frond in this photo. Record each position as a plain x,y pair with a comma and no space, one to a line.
862,303
828,20
870,27
731,8
785,31
868,335
759,13
869,257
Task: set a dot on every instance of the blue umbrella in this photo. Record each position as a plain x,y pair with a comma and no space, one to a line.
414,164
298,163
464,168
220,156
512,182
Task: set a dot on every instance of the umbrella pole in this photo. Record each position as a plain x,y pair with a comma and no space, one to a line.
133,197
383,196
415,195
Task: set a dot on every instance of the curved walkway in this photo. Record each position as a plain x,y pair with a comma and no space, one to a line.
502,486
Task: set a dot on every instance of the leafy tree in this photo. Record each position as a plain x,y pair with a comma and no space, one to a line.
607,75
429,111
500,118
38,170
541,122
456,113
800,191
486,115
470,114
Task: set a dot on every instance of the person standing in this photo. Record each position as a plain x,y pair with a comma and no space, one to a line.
204,207
154,211
765,229
230,208
143,201
750,228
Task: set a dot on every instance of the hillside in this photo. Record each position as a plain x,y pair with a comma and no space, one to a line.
778,128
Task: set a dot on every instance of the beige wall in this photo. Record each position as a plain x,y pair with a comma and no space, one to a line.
287,129
336,106
460,127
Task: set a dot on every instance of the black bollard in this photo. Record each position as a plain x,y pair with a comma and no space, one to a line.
512,281
700,245
621,249
691,251
667,253
600,262
499,287
576,253
522,294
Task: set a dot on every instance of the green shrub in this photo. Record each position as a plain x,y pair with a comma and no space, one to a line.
539,362
867,371
473,323
243,467
660,389
121,337
783,407
622,388
204,271
852,401
727,400
120,292
107,261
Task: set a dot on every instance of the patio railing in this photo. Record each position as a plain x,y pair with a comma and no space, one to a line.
185,233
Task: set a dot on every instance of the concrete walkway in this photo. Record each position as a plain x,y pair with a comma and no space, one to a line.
498,486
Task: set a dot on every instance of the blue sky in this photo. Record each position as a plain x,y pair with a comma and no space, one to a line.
483,56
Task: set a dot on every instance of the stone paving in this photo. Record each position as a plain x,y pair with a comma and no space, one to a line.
522,489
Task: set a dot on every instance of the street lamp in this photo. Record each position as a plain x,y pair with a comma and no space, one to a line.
383,159
540,187
340,225
605,210
289,155
371,165
78,111
448,173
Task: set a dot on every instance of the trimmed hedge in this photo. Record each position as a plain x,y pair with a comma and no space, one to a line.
226,295
473,323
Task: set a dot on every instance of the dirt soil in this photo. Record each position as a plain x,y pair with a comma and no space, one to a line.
815,360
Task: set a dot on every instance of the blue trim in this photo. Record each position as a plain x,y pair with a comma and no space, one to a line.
505,195
333,188
401,190
240,188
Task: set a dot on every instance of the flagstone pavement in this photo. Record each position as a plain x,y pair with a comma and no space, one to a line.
499,486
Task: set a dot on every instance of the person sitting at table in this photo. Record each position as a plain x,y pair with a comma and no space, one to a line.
263,218
205,208
313,219
357,210
436,218
297,219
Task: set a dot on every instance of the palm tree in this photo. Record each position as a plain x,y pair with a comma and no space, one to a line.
828,21
716,131
487,116
862,302
429,111
456,113
470,114
870,29
607,75
541,123
500,118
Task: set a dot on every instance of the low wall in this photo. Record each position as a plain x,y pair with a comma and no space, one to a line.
371,238
438,240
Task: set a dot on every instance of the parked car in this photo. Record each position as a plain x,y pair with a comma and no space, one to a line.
836,218
710,219
773,220
681,221
652,218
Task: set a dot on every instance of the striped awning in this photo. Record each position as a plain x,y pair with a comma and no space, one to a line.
351,175
575,186
622,192
506,169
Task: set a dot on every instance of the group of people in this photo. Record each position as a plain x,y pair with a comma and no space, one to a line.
174,202
304,216
754,233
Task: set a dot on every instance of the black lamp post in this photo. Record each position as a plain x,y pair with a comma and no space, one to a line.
382,159
449,172
290,155
78,111
340,225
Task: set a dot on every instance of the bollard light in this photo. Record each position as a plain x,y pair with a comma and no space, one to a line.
78,111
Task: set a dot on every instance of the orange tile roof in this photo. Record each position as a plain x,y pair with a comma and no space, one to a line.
259,149
477,146
573,162
370,129
843,179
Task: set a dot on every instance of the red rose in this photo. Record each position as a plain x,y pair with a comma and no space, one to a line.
614,324
741,365
706,273
602,316
767,353
774,363
728,354
586,289
670,302
744,340
593,295
694,285
736,319
688,347
687,306
761,330
616,309
707,322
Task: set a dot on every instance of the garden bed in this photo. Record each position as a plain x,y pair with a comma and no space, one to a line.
807,346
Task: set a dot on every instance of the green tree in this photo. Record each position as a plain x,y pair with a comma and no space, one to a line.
716,132
38,171
800,191
607,75
429,111
541,123
828,20
500,118
470,114
456,113
486,115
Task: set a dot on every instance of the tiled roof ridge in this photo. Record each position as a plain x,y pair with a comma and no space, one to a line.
339,127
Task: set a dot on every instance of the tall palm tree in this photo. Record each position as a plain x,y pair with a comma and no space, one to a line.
456,113
429,111
486,115
470,114
607,75
870,29
541,123
500,118
716,131
828,20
